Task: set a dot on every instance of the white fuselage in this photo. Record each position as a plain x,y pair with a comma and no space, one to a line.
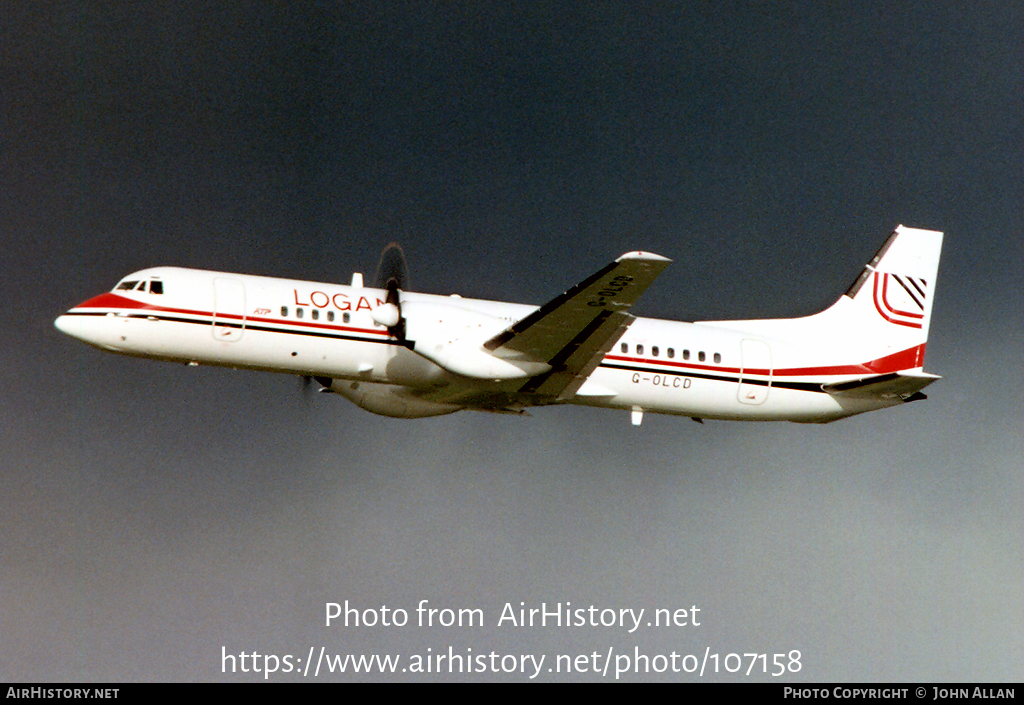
728,370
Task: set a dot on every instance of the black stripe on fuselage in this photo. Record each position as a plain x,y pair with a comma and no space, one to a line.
801,386
248,326
774,383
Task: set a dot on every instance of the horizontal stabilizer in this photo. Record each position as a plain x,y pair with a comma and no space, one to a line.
887,386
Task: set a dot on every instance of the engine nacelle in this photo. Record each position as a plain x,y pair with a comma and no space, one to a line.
386,315
389,399
452,337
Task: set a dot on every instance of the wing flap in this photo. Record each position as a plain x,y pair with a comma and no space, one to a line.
574,363
573,331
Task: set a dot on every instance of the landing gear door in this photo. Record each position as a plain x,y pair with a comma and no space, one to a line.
228,309
756,372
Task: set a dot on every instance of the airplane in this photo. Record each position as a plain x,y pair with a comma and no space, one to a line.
405,354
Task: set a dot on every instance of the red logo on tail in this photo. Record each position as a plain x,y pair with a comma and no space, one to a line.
900,299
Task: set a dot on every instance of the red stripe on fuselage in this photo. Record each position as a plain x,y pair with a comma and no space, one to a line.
114,301
109,300
903,360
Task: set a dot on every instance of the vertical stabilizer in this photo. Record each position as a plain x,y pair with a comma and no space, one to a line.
889,306
899,283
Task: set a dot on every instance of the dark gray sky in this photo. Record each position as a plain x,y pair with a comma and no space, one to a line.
152,514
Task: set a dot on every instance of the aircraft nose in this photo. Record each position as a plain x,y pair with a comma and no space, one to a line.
68,325
77,326
61,323
72,322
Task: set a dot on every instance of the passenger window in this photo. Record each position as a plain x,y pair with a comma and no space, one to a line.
156,287
671,353
624,347
316,314
718,357
299,310
284,311
330,315
345,317
639,349
686,354
700,356
654,351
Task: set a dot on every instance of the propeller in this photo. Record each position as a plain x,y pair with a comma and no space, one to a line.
397,328
392,275
392,265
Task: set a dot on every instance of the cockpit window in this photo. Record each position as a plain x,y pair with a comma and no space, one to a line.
155,286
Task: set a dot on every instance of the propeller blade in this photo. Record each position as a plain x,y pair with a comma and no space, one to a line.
397,330
392,265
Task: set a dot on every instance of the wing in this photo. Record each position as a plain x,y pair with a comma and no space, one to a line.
572,332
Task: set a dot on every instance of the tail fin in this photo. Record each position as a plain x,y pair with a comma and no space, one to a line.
889,306
901,278
880,325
